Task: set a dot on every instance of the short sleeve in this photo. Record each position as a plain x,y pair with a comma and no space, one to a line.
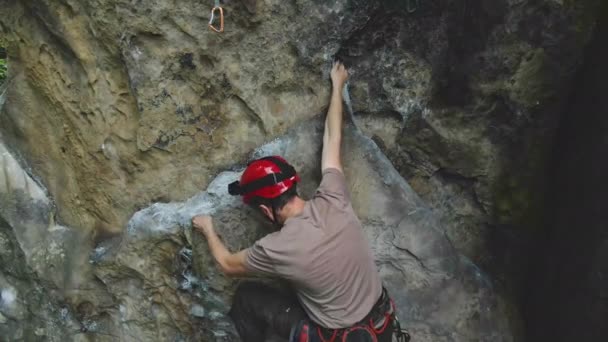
333,184
258,260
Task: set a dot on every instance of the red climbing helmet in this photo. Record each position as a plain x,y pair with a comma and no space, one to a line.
266,177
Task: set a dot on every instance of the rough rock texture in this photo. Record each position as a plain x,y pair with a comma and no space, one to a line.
116,104
464,97
40,262
28,310
132,104
158,281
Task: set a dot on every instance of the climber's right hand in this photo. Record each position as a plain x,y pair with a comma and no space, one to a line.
203,223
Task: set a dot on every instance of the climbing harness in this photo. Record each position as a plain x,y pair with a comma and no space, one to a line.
402,335
412,5
217,8
369,329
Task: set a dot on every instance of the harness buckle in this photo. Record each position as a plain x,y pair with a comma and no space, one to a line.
213,11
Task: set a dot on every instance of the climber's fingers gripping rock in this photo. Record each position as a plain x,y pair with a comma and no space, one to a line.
339,74
203,223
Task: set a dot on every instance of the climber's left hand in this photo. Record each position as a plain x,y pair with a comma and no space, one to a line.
339,75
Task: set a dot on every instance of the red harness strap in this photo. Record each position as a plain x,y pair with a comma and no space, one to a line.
307,333
387,320
304,334
360,327
331,339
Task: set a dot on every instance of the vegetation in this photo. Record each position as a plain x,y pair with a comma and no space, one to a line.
3,69
3,66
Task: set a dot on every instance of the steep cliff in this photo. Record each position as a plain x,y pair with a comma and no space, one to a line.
112,105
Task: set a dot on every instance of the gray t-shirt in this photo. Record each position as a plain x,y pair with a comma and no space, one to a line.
325,255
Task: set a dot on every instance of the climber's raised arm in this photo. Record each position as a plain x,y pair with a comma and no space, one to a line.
332,136
231,264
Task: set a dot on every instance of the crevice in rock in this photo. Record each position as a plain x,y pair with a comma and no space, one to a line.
251,113
570,267
3,64
42,17
414,256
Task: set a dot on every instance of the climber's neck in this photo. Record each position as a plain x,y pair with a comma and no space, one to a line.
294,208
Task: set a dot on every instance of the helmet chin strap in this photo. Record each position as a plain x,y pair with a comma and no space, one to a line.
275,220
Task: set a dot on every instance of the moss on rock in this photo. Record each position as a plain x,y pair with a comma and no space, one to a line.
518,190
533,81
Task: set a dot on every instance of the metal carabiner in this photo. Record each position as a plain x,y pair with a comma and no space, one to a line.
402,335
219,8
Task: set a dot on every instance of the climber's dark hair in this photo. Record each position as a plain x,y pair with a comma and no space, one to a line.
278,202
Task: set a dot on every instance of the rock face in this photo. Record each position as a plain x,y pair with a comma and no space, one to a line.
114,105
158,281
117,104
29,311
464,99
40,262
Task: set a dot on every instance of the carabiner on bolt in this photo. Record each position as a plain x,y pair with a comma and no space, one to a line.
215,9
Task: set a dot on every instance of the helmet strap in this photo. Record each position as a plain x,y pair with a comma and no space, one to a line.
286,172
275,220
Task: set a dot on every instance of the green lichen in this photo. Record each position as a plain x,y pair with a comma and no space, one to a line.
586,14
3,64
534,81
515,204
519,191
3,70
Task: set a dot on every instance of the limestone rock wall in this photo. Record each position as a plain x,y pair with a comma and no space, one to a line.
464,97
42,264
29,310
157,281
117,104
111,106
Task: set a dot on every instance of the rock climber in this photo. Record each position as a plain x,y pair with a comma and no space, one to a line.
335,293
